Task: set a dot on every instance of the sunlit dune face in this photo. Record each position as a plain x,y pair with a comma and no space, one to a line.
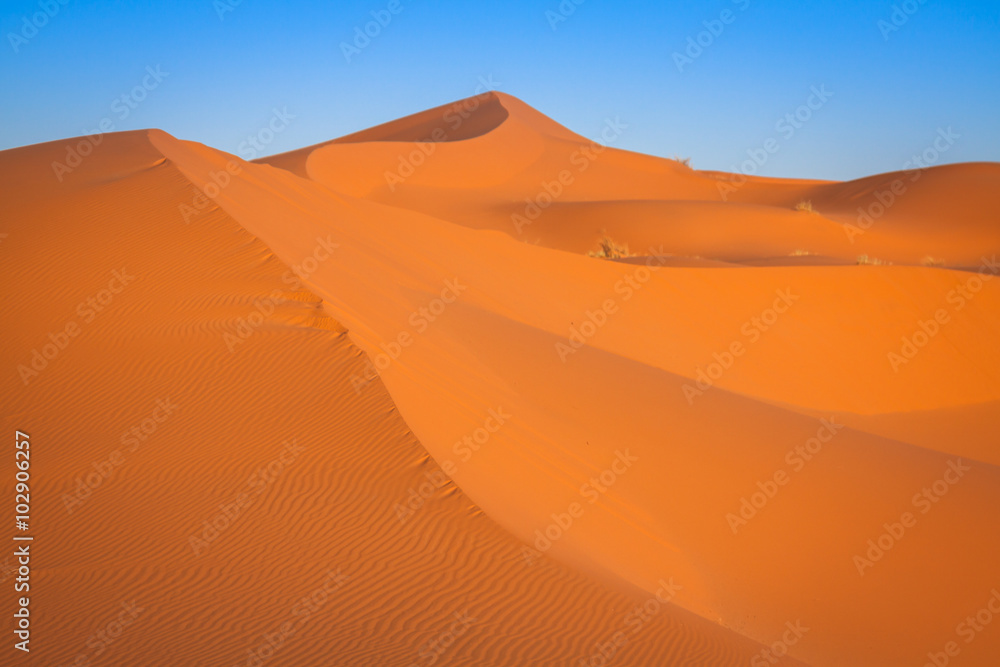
469,388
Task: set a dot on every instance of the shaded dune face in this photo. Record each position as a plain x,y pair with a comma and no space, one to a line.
790,440
208,486
757,428
944,216
459,121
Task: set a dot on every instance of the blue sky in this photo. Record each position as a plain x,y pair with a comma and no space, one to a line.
709,81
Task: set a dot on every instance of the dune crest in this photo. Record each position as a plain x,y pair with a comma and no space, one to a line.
437,298
204,461
381,374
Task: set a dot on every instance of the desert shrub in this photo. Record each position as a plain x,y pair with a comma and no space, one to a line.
610,249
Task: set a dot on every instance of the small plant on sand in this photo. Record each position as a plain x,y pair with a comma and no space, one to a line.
932,261
686,161
805,206
865,259
610,249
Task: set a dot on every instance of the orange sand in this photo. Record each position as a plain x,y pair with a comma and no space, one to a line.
627,408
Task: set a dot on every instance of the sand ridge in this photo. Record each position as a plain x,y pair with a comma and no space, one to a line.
719,411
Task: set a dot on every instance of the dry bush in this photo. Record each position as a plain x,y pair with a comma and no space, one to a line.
872,261
610,249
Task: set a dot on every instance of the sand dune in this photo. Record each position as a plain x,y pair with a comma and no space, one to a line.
741,409
339,523
644,200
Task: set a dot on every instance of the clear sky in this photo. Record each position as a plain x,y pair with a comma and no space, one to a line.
896,72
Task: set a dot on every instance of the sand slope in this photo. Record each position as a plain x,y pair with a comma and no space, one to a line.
545,185
806,343
717,412
221,358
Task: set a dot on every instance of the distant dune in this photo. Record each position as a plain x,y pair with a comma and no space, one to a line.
409,421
